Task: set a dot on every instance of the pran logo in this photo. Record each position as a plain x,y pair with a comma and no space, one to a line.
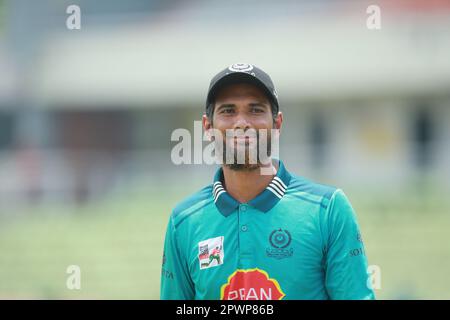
251,284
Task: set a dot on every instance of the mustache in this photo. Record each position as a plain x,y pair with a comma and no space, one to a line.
255,151
239,133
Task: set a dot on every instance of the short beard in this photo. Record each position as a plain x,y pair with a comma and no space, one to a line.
247,166
244,167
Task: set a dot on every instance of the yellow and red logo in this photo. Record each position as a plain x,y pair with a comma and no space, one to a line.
251,284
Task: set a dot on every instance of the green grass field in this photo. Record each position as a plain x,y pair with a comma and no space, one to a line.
118,245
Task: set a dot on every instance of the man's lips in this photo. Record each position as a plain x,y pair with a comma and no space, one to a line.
243,141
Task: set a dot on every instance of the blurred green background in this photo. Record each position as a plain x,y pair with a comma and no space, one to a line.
86,117
117,242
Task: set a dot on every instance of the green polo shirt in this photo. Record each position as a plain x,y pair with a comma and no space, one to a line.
295,240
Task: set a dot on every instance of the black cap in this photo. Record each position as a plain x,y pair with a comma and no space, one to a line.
243,73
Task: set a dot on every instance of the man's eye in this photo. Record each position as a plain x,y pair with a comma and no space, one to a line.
257,110
227,111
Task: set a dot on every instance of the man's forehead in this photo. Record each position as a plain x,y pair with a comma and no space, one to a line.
241,90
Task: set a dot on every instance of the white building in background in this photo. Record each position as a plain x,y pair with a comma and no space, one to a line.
362,107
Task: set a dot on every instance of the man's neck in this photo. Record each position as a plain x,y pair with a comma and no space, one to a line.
246,185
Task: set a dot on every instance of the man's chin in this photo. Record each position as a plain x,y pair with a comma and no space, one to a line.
246,167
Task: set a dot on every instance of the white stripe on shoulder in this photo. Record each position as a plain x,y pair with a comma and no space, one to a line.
276,187
274,192
218,186
218,190
277,183
218,195
280,181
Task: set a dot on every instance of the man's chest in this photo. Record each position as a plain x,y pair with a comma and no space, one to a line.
256,259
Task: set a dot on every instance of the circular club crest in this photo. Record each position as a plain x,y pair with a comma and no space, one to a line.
280,238
240,67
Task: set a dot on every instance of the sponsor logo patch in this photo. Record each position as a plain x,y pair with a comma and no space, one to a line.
251,284
210,253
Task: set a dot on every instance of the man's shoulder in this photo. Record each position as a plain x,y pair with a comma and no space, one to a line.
302,185
193,203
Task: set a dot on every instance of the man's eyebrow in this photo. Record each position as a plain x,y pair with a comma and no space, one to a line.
258,104
226,105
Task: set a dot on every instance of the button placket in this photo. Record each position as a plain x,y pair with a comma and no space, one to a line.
244,230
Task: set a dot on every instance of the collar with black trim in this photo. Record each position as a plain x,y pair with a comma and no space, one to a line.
265,201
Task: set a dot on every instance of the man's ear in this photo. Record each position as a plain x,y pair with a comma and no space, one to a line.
207,126
278,123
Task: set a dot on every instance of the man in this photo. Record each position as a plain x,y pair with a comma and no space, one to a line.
280,235
215,255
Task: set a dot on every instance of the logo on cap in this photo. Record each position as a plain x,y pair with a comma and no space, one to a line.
240,67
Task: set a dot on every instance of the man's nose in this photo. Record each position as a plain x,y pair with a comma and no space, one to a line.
242,122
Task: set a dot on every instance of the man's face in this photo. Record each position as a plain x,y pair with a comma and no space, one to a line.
240,111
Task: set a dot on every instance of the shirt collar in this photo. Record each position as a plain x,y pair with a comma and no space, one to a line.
265,201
